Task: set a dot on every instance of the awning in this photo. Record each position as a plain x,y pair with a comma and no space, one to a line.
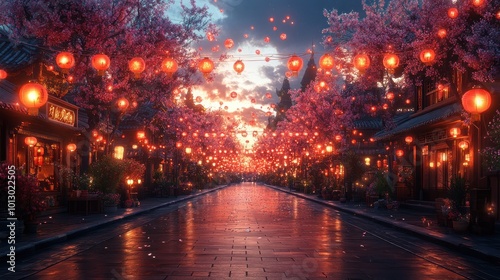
421,120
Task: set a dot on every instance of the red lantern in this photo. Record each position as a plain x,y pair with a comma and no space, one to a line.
229,43
391,62
101,63
30,141
400,153
233,94
476,101
427,56
3,74
33,96
239,66
71,147
453,13
65,61
206,66
295,64
326,62
137,65
361,62
408,139
442,33
389,96
169,66
122,103
477,3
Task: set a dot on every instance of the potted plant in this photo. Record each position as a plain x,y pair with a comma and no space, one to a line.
110,202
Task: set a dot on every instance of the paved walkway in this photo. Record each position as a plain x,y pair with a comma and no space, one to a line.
64,226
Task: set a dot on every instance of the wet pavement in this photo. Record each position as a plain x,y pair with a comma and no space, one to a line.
250,231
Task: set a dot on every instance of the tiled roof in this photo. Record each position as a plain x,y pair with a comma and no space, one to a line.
421,120
374,123
15,57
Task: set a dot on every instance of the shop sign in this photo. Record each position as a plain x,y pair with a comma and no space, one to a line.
61,114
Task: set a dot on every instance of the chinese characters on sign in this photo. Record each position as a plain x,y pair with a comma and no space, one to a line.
61,114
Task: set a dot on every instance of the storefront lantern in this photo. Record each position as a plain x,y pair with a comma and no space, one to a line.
400,153
137,65
30,141
408,140
101,63
476,101
3,74
65,61
33,96
295,64
71,147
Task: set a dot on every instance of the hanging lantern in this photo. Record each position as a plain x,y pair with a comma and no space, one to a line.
361,62
295,64
101,63
33,96
239,66
442,33
206,66
3,74
453,13
427,56
408,139
389,96
391,62
463,144
65,61
477,3
455,131
400,153
476,101
71,147
169,66
229,43
137,65
326,62
122,104
233,94
30,141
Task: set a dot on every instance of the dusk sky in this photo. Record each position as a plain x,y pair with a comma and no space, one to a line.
248,23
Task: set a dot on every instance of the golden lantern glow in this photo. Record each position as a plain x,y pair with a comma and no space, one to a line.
206,65
188,150
239,66
71,147
400,153
228,43
141,135
361,62
427,56
33,96
442,33
476,101
101,63
178,144
455,131
169,66
3,74
391,62
463,144
118,152
295,64
367,161
408,139
326,62
389,96
137,65
65,61
477,3
122,103
329,149
453,12
30,141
